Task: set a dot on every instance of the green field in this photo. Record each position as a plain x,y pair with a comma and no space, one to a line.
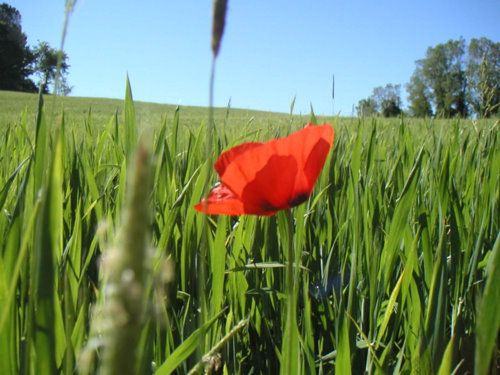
397,252
77,109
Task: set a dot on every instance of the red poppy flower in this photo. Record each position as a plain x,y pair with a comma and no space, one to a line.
263,178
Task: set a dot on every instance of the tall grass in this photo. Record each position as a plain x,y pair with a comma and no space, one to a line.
397,249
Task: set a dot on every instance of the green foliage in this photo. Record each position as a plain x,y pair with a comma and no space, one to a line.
488,322
384,100
453,80
419,95
367,107
15,55
18,61
444,72
483,77
389,98
395,254
48,63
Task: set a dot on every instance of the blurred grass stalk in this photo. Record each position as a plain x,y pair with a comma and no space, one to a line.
218,22
125,275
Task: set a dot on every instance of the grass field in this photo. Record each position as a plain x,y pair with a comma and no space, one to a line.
77,109
397,250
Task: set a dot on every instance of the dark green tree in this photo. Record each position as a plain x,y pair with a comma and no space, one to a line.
367,107
418,95
48,63
388,99
385,101
442,71
16,58
483,77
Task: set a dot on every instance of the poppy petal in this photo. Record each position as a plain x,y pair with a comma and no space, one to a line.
272,187
315,162
221,200
317,141
228,156
300,145
245,165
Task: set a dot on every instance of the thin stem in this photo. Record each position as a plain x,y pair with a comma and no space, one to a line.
289,344
218,347
205,228
291,255
210,125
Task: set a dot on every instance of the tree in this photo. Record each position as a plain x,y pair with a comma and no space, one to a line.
18,62
388,99
16,58
483,77
442,72
418,95
454,79
384,100
367,107
48,62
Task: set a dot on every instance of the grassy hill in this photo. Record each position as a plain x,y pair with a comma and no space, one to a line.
76,110
14,105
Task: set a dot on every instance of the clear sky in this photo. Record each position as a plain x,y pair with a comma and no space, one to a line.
272,51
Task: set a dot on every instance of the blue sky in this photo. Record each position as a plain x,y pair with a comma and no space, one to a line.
272,51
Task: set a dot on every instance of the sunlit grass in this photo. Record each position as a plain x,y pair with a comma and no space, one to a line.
396,245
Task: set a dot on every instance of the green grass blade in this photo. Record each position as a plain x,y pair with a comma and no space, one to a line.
41,148
218,266
130,121
488,320
47,249
184,350
343,361
8,353
6,187
447,360
390,307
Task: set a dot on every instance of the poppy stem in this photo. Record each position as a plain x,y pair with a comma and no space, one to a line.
291,255
289,349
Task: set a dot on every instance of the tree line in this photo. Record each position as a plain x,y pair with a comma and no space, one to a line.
26,68
453,79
